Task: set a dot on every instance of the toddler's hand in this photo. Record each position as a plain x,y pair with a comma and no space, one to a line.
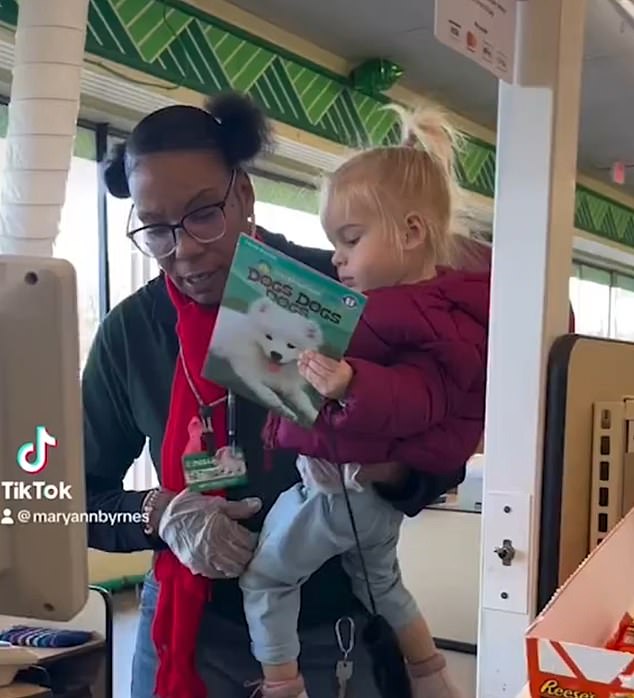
329,377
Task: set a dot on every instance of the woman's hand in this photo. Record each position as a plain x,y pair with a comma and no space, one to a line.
204,534
329,377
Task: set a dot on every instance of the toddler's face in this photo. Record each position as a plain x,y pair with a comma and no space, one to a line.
365,257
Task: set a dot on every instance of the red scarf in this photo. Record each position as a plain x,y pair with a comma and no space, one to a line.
182,595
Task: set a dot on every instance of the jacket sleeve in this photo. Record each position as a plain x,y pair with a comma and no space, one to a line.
398,401
112,440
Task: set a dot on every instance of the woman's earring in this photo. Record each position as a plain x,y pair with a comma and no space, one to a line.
253,229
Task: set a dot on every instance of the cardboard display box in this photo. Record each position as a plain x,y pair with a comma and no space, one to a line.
566,643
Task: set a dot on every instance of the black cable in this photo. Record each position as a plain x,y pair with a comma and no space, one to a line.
388,664
355,531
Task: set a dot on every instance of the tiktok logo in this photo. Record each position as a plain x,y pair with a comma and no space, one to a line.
32,457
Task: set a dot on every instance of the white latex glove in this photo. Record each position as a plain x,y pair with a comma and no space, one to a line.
323,476
204,535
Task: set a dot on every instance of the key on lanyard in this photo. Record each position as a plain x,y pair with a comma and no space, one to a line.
344,667
208,437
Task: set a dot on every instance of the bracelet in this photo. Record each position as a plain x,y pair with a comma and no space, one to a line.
147,508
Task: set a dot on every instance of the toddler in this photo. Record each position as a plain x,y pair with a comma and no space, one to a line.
410,391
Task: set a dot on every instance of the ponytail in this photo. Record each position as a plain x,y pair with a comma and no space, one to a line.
114,173
428,130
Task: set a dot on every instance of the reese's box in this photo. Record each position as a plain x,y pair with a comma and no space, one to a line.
578,647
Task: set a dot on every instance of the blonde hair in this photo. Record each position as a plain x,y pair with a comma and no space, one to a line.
416,176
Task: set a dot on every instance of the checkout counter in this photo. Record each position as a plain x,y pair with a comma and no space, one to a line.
82,671
439,552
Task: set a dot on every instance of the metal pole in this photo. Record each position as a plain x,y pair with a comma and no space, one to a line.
533,230
49,50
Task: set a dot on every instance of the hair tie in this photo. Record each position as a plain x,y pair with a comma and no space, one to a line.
411,141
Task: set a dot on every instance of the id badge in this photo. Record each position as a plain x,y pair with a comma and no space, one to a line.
205,473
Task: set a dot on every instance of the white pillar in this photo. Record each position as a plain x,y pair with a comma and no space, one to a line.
49,50
533,226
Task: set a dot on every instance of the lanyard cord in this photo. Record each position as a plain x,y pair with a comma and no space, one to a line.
230,399
192,385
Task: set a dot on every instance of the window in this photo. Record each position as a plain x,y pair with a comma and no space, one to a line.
289,209
78,239
591,300
128,269
622,316
603,302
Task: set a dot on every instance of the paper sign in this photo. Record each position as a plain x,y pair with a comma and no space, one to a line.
482,30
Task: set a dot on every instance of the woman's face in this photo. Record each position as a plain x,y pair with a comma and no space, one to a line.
167,186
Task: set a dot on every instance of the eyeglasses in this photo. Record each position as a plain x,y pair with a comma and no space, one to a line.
205,225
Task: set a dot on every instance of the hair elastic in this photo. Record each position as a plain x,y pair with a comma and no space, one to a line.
411,141
253,229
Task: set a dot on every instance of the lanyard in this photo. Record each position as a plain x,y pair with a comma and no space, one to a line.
205,410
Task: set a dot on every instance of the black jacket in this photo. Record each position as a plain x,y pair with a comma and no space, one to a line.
126,395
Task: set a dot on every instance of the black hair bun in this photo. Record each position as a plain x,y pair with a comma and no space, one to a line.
246,131
114,174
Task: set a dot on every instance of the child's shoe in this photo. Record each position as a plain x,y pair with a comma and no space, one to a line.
283,689
430,679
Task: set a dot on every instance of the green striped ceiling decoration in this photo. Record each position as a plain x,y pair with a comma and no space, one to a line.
181,44
187,47
604,217
476,166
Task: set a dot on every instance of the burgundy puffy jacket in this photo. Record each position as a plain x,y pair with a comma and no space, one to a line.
417,395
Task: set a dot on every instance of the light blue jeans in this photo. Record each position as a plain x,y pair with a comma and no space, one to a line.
225,662
303,530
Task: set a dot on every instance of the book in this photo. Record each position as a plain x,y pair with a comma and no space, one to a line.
274,308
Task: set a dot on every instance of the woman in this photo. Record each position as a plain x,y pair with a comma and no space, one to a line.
184,169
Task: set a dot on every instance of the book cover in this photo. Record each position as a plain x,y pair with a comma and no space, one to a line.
274,308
